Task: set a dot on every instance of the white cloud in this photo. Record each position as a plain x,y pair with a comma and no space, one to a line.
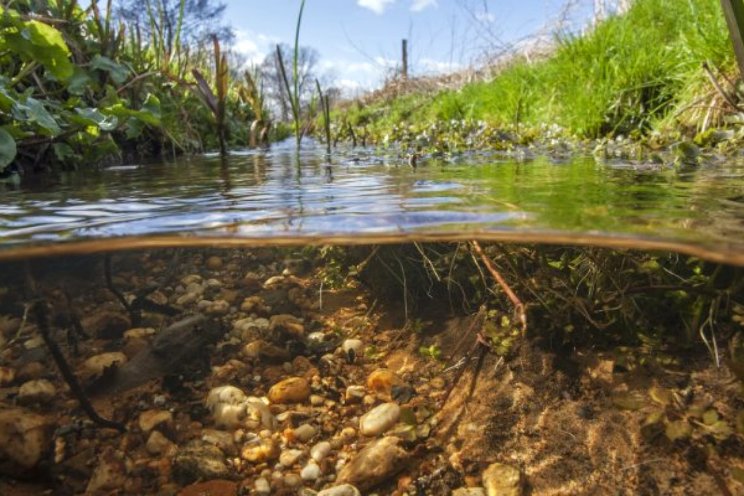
376,6
419,5
438,66
253,47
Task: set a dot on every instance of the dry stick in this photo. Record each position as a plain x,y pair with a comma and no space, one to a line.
518,305
42,321
718,88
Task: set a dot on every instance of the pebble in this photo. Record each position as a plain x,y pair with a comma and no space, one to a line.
199,461
33,343
288,324
502,480
210,488
469,491
354,394
36,391
24,438
223,440
377,462
262,486
32,370
266,450
341,490
218,307
158,444
95,365
292,390
109,475
290,457
139,333
214,263
7,376
150,419
316,400
310,472
379,419
320,451
191,279
106,324
305,432
381,382
353,345
292,481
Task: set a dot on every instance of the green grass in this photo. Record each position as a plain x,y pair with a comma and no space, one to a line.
629,75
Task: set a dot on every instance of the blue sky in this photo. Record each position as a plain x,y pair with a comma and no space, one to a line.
359,40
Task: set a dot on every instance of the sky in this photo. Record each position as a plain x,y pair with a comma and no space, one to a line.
359,41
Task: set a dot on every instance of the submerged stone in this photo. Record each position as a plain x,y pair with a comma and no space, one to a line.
502,480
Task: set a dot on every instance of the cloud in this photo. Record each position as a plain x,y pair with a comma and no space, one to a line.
419,5
438,66
376,6
253,46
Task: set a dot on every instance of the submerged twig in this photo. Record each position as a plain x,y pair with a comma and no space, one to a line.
42,321
518,305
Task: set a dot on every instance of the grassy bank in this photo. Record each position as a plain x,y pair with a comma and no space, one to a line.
631,75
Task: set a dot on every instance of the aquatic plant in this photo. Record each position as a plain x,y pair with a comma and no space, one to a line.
325,108
293,90
251,92
216,101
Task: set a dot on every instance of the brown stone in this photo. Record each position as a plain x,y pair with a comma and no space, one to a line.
292,390
214,263
106,324
211,488
376,463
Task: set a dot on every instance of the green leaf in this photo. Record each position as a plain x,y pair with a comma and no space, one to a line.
134,128
42,43
63,151
118,72
6,99
149,114
33,111
79,81
93,117
7,148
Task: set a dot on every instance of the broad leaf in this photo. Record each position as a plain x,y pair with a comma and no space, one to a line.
94,117
42,43
7,148
79,81
118,72
33,111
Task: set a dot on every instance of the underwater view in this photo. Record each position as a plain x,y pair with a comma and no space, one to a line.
372,247
199,328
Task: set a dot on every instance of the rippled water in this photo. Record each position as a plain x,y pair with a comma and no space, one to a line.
359,192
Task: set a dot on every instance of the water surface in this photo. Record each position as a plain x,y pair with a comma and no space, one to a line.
360,193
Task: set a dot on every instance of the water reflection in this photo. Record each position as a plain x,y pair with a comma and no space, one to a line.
260,192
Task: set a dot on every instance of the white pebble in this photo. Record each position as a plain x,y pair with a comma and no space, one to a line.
305,432
342,490
310,472
320,451
357,345
379,419
290,457
262,486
